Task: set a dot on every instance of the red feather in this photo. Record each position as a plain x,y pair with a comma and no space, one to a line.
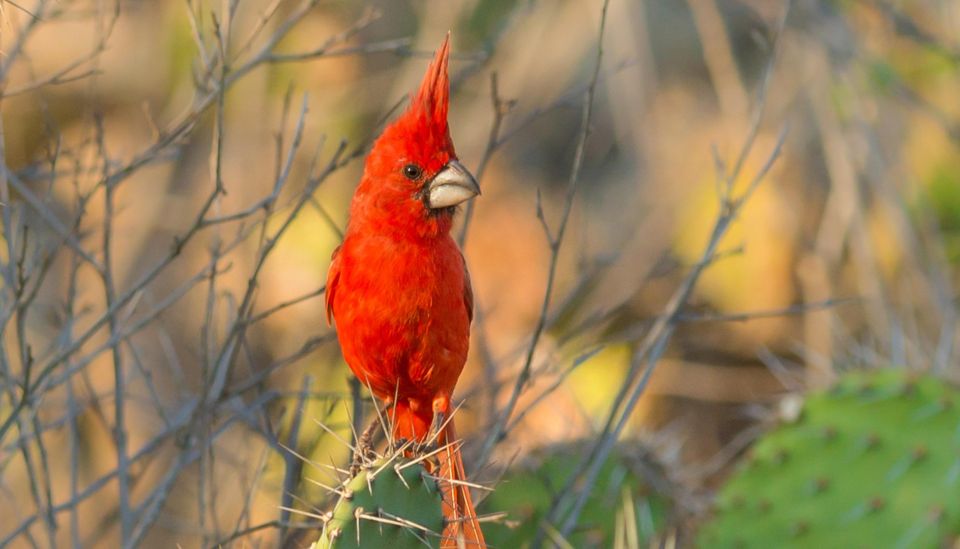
399,289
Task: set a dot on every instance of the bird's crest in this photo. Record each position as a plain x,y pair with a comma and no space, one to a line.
433,97
427,113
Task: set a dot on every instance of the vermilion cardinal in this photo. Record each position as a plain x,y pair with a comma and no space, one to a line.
399,289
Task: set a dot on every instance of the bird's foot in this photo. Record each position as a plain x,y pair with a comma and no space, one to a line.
439,422
432,441
364,451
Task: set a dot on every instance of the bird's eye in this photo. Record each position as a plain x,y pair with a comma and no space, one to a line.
412,172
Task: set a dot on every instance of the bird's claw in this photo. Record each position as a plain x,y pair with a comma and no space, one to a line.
424,447
364,451
432,442
439,422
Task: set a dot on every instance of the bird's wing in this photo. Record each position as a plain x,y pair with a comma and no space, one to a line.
467,290
333,277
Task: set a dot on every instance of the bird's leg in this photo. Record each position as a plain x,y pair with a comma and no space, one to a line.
441,406
430,441
364,447
365,443
439,419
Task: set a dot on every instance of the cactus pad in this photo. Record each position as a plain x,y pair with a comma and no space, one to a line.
872,462
621,500
393,503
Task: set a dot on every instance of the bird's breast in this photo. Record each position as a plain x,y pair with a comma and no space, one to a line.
401,319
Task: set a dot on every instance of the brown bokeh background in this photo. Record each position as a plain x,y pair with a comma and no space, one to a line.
845,256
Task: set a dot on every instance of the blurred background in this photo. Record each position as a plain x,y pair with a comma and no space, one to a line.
176,175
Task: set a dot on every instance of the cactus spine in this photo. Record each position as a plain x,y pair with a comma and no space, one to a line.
392,503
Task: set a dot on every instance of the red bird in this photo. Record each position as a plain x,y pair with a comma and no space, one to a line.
399,289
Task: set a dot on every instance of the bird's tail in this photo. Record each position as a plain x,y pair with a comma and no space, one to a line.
462,530
463,527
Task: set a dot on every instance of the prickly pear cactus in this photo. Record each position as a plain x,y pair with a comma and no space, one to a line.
873,462
393,503
621,501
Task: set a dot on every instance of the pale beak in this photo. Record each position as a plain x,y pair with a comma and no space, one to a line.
451,186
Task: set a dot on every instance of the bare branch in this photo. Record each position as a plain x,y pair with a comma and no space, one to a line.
568,506
555,242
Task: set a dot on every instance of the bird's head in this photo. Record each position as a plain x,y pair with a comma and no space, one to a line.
412,180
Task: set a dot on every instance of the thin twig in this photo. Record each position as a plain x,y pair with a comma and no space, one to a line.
497,430
569,504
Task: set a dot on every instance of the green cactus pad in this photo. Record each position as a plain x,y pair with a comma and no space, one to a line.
393,503
621,494
872,462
